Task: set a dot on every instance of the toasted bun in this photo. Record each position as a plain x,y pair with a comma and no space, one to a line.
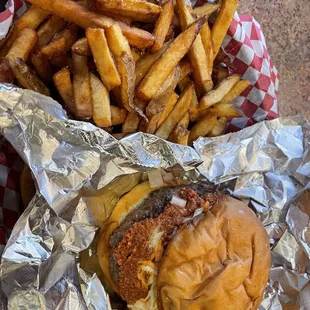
219,261
126,204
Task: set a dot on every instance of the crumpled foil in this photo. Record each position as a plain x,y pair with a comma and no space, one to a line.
266,165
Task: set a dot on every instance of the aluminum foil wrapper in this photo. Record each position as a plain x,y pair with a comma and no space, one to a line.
81,170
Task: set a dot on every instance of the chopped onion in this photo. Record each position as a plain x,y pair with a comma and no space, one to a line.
178,201
168,177
155,178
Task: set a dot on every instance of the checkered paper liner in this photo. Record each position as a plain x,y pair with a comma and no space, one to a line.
245,45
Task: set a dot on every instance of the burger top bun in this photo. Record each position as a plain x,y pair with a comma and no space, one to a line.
219,261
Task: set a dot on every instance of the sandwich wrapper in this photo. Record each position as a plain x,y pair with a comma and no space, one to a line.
267,165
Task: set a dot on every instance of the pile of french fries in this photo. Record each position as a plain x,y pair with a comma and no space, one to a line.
128,65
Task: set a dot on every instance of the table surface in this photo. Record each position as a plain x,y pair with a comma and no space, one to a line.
286,25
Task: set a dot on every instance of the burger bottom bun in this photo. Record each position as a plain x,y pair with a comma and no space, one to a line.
218,261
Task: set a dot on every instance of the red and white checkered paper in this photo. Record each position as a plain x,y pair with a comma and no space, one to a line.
245,45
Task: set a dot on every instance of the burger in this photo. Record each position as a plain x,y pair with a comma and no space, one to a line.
185,246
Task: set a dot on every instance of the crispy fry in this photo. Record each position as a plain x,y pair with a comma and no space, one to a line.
42,67
171,82
123,19
219,127
83,17
6,73
224,110
221,74
218,93
164,65
119,136
162,26
61,61
146,62
27,78
103,58
61,43
49,29
64,87
206,9
83,3
118,115
125,62
134,9
235,91
183,83
168,108
207,43
132,120
32,18
180,134
23,45
197,54
222,23
81,47
186,68
203,126
81,87
136,54
101,102
194,107
176,114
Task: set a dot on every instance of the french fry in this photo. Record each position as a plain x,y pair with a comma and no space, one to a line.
42,67
206,9
118,115
158,110
27,78
186,68
180,134
119,136
81,87
176,114
207,43
49,29
235,91
165,64
203,126
171,82
136,54
6,73
183,83
102,55
146,62
61,43
100,102
221,74
32,18
83,3
218,93
194,106
197,54
81,47
61,61
23,44
83,17
168,107
162,26
224,110
135,9
125,62
116,17
132,120
222,23
219,127
64,87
